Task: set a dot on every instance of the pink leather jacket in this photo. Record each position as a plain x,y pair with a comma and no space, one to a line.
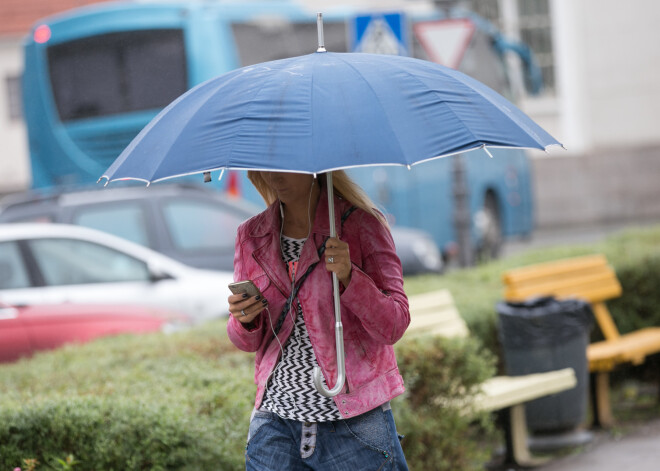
374,307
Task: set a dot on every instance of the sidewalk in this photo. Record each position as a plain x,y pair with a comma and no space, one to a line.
637,449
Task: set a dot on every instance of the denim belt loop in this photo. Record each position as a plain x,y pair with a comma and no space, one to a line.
308,439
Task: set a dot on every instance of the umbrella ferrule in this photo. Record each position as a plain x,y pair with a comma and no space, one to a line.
319,28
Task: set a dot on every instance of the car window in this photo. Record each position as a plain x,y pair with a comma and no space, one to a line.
126,220
196,225
13,273
70,261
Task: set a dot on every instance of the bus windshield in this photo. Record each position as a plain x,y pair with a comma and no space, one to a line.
117,73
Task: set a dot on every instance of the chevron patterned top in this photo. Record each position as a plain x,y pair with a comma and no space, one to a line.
290,392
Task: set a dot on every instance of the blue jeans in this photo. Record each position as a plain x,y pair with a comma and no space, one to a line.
366,442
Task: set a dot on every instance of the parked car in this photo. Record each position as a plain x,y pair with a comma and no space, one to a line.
192,224
57,263
27,329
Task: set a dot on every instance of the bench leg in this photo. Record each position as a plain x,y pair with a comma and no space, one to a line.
600,400
515,435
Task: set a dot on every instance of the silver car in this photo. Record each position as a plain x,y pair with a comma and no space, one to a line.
192,224
59,263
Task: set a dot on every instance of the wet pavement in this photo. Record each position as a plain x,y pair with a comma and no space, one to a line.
630,447
634,447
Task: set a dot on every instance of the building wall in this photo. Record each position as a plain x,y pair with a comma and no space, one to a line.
14,164
622,45
608,74
17,16
605,112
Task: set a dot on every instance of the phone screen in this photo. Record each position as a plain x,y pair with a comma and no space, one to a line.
241,287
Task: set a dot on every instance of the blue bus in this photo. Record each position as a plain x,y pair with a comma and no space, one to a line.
95,76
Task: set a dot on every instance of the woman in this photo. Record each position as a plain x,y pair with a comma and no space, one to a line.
293,426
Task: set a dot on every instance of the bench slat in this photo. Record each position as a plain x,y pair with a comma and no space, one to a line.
592,289
633,347
505,391
435,314
541,270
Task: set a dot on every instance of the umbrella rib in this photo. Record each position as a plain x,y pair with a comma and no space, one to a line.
394,133
448,106
467,128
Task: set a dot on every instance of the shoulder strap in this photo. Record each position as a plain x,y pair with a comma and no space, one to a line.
294,291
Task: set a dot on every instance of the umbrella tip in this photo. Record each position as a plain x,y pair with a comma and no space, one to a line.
319,28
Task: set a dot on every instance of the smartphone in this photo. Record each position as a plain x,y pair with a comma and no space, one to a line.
241,287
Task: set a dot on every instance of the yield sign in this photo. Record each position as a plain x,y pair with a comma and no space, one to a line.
445,41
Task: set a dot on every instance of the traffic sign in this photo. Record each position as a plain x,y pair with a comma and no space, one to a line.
445,41
382,33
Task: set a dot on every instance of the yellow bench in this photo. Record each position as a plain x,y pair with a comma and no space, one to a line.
435,313
592,279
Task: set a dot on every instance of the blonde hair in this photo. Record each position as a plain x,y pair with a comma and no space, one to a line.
342,184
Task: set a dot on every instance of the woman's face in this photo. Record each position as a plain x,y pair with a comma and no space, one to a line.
289,186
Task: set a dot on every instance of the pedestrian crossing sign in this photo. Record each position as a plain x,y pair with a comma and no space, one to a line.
382,33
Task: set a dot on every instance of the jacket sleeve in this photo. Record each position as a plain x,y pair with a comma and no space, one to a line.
375,294
245,338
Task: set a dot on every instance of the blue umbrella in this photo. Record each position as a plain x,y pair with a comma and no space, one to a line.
321,112
325,111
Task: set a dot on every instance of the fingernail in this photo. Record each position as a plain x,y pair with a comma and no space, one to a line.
258,297
264,302
245,295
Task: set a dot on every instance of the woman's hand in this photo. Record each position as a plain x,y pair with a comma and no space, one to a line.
246,309
338,260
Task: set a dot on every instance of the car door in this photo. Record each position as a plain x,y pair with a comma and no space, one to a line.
14,339
81,271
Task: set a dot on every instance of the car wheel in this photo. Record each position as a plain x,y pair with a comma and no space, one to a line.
489,227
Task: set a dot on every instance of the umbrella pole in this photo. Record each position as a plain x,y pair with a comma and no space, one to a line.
339,328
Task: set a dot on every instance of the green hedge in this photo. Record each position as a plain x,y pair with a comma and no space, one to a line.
130,403
182,402
439,427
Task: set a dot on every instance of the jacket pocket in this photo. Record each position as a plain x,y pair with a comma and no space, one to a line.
362,351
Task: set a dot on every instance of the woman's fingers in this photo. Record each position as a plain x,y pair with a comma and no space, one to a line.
338,259
246,309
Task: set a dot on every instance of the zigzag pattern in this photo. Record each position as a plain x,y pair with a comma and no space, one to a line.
290,392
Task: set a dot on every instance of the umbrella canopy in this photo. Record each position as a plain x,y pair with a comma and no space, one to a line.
325,111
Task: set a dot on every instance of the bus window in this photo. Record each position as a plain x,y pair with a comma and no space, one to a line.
258,42
117,73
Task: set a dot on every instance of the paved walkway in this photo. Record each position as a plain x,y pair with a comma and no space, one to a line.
638,449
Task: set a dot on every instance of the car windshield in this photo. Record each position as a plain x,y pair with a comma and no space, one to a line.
197,225
124,219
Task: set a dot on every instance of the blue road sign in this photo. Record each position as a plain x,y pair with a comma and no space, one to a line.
380,33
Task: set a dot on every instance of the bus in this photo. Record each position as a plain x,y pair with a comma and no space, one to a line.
95,76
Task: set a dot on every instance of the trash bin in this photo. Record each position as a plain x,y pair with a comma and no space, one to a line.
545,334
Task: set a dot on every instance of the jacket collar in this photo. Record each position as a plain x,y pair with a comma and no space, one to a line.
270,220
268,253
